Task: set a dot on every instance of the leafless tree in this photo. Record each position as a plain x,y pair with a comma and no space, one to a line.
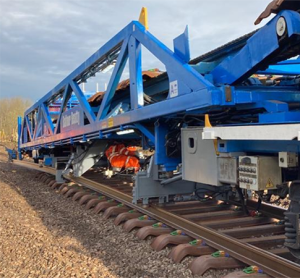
10,109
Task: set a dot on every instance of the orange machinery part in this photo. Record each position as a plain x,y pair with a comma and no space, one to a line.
122,157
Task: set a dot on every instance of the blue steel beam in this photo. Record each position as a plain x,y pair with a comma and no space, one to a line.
28,126
66,96
20,128
136,79
288,67
114,81
21,134
258,95
47,118
85,106
146,132
39,123
280,70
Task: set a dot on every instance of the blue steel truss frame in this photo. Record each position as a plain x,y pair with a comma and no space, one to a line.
125,45
195,92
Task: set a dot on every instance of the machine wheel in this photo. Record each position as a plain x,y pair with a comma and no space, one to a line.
281,27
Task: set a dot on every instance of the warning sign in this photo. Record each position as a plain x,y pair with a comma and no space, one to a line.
269,184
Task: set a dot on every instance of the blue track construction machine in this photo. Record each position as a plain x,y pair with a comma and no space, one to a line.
224,125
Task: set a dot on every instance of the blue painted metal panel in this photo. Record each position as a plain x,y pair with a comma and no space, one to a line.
280,117
72,119
182,47
48,161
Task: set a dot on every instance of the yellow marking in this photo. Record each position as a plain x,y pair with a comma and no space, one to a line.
207,121
269,184
110,122
208,124
216,146
144,17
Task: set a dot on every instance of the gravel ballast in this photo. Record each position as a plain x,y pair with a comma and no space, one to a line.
43,234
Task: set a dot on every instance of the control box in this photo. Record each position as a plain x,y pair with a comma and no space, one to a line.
201,164
227,170
288,159
199,159
259,172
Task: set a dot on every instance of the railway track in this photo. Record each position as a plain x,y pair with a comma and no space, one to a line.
219,235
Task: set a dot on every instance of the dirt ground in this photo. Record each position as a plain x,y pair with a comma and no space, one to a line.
43,234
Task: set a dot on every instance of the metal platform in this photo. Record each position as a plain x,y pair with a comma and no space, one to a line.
284,132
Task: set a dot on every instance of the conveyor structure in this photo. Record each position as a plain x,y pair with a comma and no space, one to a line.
224,125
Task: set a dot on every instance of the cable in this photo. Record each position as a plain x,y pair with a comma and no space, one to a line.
212,195
245,209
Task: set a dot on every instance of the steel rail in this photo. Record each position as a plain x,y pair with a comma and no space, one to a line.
35,166
251,255
265,208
